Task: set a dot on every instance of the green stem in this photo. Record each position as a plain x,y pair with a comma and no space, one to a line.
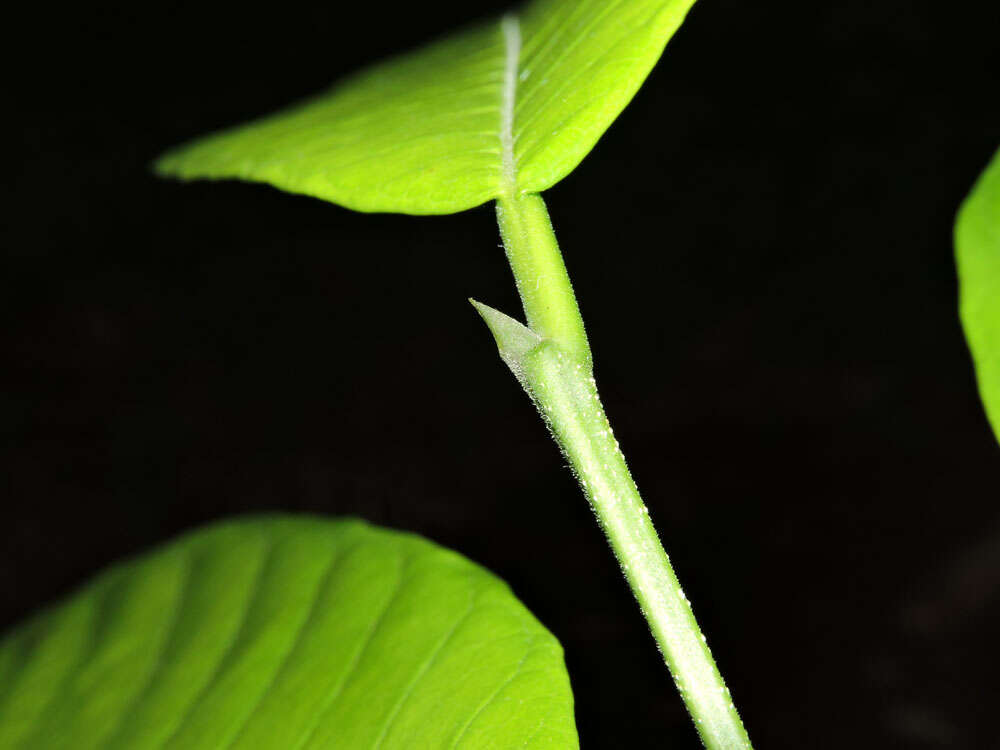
553,363
540,274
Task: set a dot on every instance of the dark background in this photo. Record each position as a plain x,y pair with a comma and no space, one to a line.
761,246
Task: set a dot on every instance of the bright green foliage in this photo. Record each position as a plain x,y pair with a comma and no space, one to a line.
509,107
977,251
287,633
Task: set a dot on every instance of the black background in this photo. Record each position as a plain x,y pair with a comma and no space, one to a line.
761,246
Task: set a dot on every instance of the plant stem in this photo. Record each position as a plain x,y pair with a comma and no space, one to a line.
557,373
540,274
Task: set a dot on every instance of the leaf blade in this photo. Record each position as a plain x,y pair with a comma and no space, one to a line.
977,255
599,78
448,127
313,632
366,144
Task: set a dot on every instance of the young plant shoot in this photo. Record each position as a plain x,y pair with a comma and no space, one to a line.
502,112
275,631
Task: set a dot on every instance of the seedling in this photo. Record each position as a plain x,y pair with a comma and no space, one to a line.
285,632
503,112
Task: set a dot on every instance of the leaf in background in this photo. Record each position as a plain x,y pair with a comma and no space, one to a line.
977,252
287,633
509,107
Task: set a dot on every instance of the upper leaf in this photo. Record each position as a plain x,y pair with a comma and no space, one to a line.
280,633
977,251
511,106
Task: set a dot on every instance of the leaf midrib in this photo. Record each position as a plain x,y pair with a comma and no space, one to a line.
511,29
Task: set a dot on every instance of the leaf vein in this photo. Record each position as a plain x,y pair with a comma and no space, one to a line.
168,638
349,674
426,667
231,646
492,696
283,664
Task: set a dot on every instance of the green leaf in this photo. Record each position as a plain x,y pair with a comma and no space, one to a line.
287,633
508,107
977,252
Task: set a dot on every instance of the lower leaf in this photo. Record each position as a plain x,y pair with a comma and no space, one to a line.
292,633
